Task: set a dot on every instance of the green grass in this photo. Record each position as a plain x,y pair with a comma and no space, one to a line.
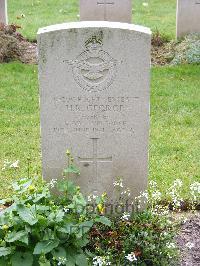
175,120
158,15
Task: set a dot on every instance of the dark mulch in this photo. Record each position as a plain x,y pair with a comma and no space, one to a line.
15,47
189,235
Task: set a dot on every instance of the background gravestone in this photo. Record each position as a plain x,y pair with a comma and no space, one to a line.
108,10
94,99
3,12
188,17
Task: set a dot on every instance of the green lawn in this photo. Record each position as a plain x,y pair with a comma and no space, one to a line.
158,15
175,120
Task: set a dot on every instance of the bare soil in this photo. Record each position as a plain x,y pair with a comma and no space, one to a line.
190,235
13,46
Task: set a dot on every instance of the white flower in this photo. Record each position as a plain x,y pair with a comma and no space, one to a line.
91,198
62,261
65,209
52,183
195,190
118,183
178,183
156,195
145,4
170,245
152,183
125,216
189,245
6,164
15,164
101,261
131,257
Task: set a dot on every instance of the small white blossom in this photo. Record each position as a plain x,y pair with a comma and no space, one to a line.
178,183
118,183
15,164
125,216
145,4
101,261
195,190
62,261
131,257
65,209
8,164
156,195
91,198
189,245
52,183
152,183
170,245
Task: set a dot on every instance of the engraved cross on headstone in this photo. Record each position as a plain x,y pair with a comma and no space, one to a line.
95,159
105,3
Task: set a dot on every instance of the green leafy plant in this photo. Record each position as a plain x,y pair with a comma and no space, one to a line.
39,228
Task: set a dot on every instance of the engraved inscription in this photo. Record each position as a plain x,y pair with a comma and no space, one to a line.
95,159
94,70
92,115
105,3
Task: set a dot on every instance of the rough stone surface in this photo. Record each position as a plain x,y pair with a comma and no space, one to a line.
3,12
188,17
94,98
108,10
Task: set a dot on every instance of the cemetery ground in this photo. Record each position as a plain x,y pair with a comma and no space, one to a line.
174,137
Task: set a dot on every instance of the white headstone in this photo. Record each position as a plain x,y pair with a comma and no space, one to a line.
108,10
3,12
188,17
94,99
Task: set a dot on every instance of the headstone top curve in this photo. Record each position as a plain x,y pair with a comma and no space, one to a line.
94,24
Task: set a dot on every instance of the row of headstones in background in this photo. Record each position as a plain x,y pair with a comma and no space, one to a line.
188,17
106,10
94,100
188,13
3,12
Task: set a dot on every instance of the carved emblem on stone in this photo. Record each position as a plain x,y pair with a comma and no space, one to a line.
94,69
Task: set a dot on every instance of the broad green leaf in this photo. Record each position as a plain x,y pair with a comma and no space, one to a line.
71,169
5,251
66,185
59,252
3,262
81,260
56,217
104,220
4,219
17,236
65,229
20,258
45,246
26,214
47,263
82,242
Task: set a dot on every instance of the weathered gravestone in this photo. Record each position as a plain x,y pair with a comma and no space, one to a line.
94,99
188,17
3,12
108,10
